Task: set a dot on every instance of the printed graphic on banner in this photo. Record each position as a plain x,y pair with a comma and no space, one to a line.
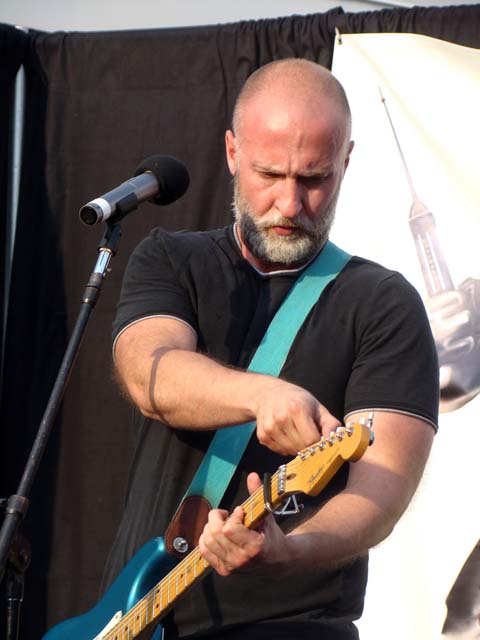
454,312
411,201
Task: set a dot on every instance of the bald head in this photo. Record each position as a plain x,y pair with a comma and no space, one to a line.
293,83
288,154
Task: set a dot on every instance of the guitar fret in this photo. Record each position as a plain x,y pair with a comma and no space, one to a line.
158,596
159,599
151,600
143,608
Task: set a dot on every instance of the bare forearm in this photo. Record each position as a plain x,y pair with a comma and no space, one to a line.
347,527
379,489
189,390
169,381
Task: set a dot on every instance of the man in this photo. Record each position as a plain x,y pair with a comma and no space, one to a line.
194,307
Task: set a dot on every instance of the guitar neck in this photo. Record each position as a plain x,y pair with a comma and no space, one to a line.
191,569
308,473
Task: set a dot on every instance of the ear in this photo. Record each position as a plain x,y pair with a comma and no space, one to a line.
231,151
351,144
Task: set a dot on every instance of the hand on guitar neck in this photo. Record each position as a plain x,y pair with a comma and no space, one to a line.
229,545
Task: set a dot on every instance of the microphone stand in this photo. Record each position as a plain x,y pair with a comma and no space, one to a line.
14,550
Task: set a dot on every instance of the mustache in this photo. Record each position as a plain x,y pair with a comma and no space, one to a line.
300,222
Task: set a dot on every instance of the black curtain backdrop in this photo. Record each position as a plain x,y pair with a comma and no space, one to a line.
97,104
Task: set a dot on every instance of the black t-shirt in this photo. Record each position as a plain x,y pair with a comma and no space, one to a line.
365,345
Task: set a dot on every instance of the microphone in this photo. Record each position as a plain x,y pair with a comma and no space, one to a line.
159,179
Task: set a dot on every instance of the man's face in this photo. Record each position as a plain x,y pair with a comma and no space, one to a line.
287,169
276,239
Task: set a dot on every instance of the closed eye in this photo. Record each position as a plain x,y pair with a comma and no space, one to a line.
314,180
270,175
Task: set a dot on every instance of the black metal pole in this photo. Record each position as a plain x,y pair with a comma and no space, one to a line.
17,504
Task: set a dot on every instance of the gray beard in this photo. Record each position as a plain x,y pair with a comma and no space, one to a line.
296,248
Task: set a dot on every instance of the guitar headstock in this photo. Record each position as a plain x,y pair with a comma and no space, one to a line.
311,470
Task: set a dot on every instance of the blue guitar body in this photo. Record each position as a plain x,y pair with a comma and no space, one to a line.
140,575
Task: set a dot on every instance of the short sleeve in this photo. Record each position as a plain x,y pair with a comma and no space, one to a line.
152,285
396,364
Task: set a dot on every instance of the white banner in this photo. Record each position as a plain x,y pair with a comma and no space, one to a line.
411,201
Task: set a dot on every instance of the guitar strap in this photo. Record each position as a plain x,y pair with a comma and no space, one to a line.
228,445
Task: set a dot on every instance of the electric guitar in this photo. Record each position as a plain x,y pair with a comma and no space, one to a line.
136,601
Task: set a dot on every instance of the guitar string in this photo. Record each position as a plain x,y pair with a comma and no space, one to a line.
191,561
187,564
135,614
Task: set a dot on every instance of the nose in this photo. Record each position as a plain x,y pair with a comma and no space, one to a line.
289,198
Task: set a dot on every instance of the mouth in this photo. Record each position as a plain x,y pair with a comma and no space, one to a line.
287,230
284,231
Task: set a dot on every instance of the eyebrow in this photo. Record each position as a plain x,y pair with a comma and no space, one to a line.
307,173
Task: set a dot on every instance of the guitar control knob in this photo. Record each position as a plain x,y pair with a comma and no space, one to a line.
180,545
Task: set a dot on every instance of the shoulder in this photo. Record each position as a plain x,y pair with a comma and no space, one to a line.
363,271
395,363
367,284
184,251
185,241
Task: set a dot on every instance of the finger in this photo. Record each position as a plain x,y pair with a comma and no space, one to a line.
222,534
214,547
217,518
212,536
327,421
237,548
294,428
237,517
212,558
272,430
306,430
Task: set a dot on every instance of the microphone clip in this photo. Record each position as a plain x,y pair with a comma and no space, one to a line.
124,206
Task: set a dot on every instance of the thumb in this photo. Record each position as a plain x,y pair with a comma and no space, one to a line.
253,482
328,422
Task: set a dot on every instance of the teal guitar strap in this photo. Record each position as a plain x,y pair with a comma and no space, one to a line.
228,444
